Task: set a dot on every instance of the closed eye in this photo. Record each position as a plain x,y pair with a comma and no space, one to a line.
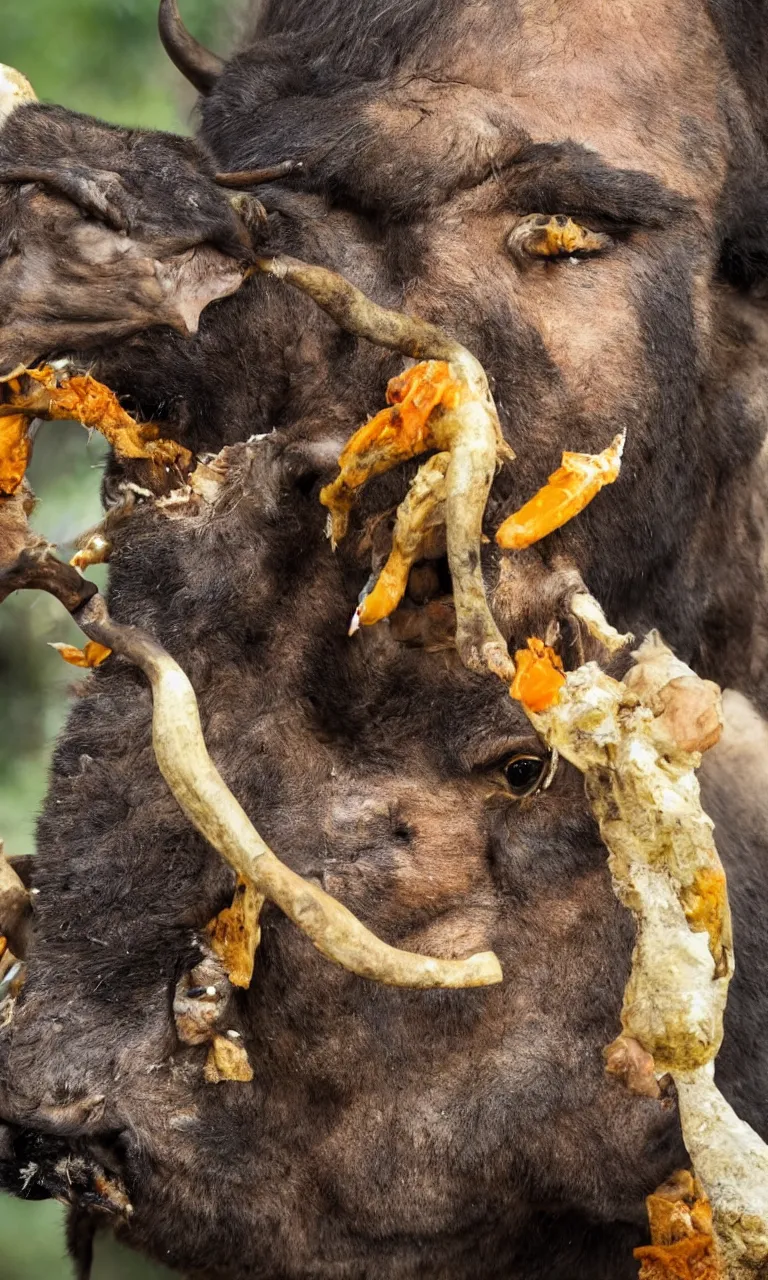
541,235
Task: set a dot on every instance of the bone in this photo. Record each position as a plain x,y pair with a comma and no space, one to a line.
36,568
188,769
662,856
638,748
206,800
419,530
15,91
586,608
357,314
467,426
731,1162
209,804
638,744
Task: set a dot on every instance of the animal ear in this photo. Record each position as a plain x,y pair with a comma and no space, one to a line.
191,281
74,283
743,259
115,232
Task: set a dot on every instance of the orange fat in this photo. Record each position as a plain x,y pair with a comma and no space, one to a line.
539,676
397,433
567,492
388,592
15,450
691,1259
705,905
683,1245
83,399
235,933
91,656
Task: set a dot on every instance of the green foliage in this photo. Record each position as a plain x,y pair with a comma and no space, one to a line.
32,1247
35,683
106,59
102,57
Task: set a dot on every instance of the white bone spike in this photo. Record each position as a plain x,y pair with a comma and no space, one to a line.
15,90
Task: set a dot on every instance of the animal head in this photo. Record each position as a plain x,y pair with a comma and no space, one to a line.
570,193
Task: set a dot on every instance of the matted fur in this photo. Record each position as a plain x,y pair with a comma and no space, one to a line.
389,1134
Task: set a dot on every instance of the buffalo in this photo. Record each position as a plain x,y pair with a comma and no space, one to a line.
389,1133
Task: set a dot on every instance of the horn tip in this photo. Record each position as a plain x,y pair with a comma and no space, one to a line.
15,90
199,65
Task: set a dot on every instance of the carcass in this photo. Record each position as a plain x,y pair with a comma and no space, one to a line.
604,269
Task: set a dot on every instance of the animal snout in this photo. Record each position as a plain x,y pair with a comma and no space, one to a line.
360,822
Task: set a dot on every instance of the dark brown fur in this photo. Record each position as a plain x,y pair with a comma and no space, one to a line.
387,1134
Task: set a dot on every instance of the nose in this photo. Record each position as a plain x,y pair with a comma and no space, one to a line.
406,851
361,821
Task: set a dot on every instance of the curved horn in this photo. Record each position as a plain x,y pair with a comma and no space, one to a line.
15,90
201,67
254,177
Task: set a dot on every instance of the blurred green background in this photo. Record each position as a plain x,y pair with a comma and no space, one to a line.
102,57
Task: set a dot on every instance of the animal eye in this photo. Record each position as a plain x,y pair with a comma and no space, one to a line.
542,236
524,773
